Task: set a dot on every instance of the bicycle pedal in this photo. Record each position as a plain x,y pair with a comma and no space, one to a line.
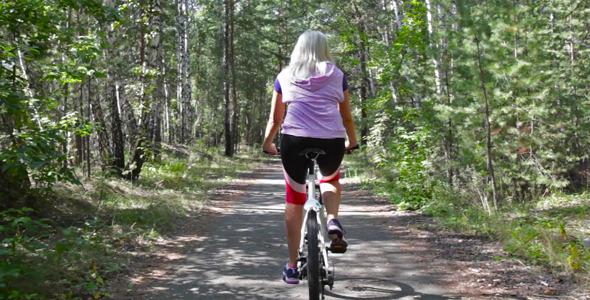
338,247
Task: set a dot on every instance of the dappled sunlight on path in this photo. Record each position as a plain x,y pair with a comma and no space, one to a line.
243,251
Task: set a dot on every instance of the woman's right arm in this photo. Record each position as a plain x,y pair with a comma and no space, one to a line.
348,121
277,112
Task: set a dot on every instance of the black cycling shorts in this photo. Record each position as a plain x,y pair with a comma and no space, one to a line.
295,165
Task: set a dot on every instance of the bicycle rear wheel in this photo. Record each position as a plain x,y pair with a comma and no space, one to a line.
313,257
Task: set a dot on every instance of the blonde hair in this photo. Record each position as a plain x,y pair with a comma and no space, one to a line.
310,55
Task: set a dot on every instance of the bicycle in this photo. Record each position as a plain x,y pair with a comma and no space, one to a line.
315,266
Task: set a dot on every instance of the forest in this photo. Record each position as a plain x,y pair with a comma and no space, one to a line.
475,112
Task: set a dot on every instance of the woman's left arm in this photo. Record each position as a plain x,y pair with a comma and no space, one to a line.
348,121
277,112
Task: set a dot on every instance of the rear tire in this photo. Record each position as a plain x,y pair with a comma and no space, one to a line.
313,257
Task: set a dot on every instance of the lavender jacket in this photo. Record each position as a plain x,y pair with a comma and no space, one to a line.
313,104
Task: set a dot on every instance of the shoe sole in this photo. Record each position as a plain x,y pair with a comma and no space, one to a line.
290,281
335,235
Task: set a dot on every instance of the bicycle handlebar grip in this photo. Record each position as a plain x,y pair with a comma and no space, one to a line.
351,149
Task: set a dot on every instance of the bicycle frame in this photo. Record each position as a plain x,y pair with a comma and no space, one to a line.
313,202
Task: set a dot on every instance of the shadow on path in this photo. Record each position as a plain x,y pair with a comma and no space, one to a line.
242,253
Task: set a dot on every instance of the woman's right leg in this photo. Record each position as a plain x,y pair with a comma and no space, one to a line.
331,189
293,220
330,169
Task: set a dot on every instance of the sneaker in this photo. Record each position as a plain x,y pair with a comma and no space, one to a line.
335,230
290,275
336,234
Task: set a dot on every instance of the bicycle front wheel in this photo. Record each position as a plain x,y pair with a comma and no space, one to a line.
313,256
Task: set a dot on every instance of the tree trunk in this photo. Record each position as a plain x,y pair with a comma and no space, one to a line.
128,118
433,47
280,34
118,162
103,138
64,144
489,146
226,80
154,129
166,121
79,140
186,80
182,60
365,82
87,147
437,50
151,137
234,93
396,11
387,41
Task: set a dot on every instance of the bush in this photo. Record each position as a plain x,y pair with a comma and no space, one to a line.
405,170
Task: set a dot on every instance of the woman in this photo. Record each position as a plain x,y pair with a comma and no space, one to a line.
318,116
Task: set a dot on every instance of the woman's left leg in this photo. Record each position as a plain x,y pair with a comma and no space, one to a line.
331,194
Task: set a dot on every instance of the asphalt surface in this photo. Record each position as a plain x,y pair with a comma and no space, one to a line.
242,254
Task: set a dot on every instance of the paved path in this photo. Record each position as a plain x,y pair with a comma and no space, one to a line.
244,250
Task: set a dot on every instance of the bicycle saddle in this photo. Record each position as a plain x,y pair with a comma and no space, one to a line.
312,151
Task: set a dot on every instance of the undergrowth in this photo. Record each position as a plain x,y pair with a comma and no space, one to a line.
553,232
70,243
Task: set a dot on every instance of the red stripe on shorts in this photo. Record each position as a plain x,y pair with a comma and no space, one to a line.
293,196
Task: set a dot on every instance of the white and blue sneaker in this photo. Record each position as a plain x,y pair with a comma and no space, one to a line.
290,275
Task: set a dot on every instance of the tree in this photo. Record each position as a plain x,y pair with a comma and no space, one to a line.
227,46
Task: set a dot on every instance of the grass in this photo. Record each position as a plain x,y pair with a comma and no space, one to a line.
548,232
79,237
551,236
